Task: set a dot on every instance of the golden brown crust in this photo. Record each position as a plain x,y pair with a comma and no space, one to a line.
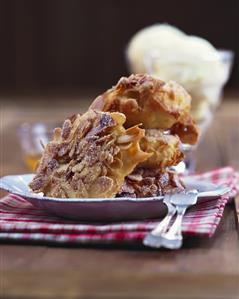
152,102
150,182
89,157
93,155
165,149
187,131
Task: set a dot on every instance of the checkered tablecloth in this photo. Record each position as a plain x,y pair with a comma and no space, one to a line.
19,220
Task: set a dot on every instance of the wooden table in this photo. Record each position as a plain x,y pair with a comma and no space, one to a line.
204,268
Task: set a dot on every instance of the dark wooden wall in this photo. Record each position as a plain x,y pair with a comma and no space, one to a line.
80,43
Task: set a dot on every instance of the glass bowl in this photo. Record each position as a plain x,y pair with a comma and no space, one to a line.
32,138
206,90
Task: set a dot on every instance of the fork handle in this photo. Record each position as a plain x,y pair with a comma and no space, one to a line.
173,238
176,228
163,225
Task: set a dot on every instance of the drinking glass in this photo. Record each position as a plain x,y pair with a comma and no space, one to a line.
32,138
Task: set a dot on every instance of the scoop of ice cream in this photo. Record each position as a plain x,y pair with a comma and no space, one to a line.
176,56
169,53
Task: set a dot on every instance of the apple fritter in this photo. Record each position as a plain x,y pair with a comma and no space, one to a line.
165,149
150,182
152,102
89,157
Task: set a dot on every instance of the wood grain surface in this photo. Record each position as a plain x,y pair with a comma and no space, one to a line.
203,268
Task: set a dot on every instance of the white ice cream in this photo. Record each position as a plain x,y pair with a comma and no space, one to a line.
167,52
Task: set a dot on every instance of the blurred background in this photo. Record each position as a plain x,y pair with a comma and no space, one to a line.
80,44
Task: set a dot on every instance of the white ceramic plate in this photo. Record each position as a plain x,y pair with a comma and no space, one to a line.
103,209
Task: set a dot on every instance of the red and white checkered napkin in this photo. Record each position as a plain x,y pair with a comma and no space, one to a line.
19,220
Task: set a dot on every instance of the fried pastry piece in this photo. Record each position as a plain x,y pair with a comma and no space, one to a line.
165,149
89,157
152,102
187,131
150,182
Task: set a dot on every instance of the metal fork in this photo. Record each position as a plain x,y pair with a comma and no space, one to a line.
173,239
153,239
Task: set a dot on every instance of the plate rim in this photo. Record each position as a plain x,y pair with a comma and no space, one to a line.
76,199
34,196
